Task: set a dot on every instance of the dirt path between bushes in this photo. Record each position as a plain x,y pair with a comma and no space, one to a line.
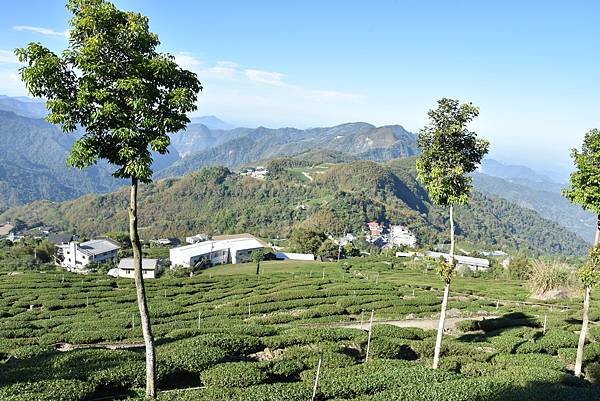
425,324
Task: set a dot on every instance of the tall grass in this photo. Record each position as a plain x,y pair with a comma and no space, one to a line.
551,275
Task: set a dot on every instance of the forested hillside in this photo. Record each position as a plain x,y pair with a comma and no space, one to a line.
548,202
33,164
344,197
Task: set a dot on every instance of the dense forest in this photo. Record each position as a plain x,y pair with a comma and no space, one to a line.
342,198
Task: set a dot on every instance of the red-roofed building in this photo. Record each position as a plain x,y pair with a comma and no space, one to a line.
375,228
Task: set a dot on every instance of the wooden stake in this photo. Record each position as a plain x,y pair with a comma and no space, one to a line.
377,279
199,315
545,323
497,304
133,321
314,394
323,275
248,308
87,301
369,338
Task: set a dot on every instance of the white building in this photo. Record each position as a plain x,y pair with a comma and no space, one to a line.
472,263
259,172
161,241
294,256
194,239
233,249
78,255
402,236
345,240
126,268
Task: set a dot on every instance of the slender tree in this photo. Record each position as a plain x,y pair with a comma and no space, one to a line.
257,256
584,190
126,96
449,152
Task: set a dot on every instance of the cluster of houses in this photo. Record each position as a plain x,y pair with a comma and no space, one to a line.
259,172
201,250
387,237
78,257
15,232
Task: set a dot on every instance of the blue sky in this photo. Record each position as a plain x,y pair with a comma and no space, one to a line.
532,67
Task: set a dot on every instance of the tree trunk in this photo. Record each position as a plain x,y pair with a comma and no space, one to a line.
440,332
442,321
586,307
583,333
452,234
257,268
141,294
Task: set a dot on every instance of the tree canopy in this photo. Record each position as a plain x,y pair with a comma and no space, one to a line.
584,187
112,81
449,152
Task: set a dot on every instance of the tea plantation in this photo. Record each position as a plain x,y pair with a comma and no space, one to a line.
227,334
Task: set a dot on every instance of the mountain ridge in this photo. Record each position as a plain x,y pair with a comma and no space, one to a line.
343,197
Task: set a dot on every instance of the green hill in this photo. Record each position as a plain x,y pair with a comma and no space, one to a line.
340,197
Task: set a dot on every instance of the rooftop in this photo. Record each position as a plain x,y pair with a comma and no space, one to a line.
234,242
98,246
200,248
469,260
147,264
237,237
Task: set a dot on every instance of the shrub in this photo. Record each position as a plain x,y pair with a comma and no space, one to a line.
277,392
47,390
390,348
408,333
235,374
592,372
468,325
555,339
190,357
550,275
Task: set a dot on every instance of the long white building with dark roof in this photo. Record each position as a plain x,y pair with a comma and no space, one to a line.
77,255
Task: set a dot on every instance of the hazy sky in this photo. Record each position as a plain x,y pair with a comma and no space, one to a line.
533,67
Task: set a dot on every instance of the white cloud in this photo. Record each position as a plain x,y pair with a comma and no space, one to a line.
8,57
223,70
42,31
265,77
256,96
187,60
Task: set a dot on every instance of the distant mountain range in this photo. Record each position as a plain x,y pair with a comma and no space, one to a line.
33,166
233,148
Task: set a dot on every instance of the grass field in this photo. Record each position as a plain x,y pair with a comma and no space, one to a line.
238,336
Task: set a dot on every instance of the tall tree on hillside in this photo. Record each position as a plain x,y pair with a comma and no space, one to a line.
449,152
584,190
112,82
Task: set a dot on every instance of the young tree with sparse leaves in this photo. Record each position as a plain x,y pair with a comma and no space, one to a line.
449,153
126,96
584,190
258,256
